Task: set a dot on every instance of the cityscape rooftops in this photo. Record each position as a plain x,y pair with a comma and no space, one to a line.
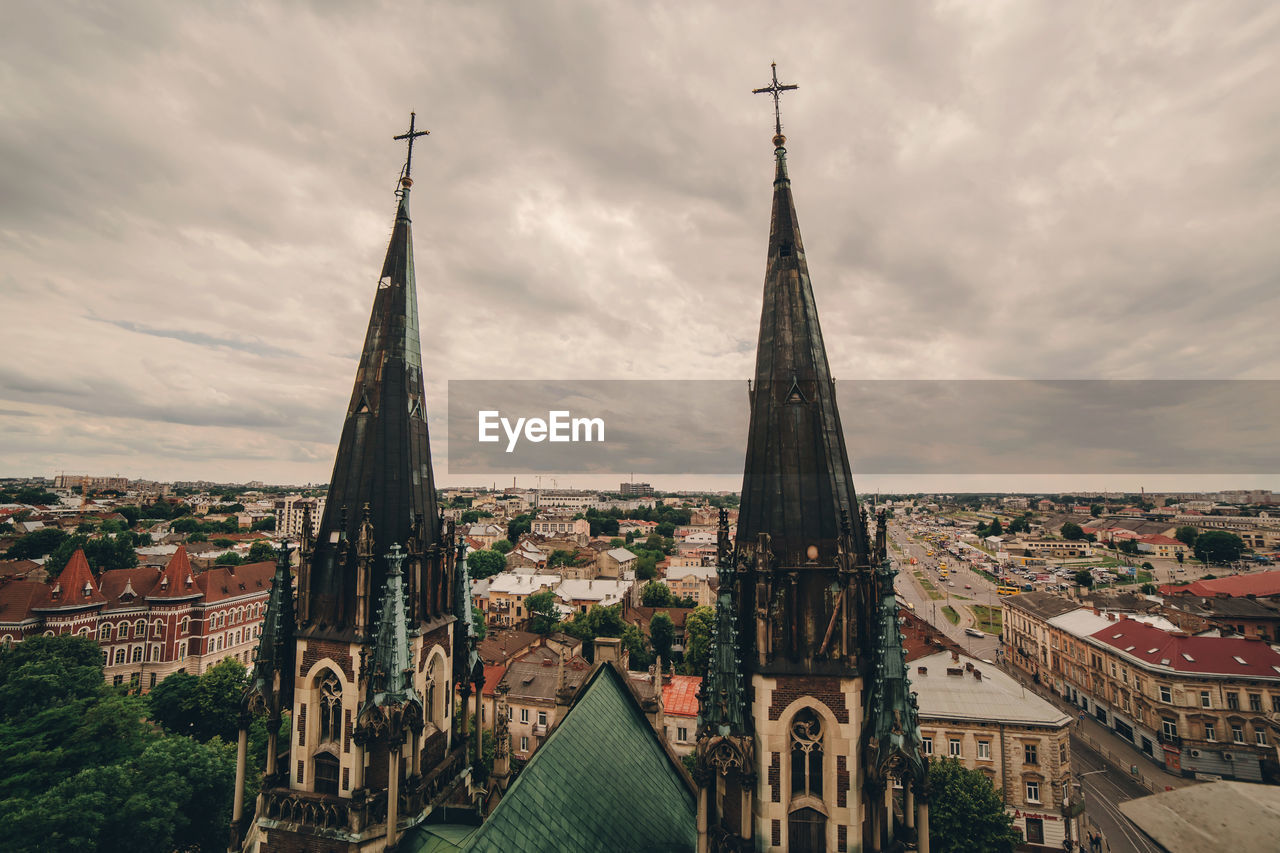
1260,584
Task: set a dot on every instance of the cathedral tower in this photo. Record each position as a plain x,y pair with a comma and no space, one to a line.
783,727
368,665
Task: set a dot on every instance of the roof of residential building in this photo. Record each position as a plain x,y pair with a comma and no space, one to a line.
515,583
978,691
1231,656
502,646
74,587
1225,606
622,555
1260,584
604,590
1085,622
536,674
222,582
16,599
1208,818
1044,605
680,695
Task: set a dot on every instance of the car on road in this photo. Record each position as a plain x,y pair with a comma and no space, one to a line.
968,586
974,632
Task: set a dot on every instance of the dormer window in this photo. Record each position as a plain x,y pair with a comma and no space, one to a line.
88,589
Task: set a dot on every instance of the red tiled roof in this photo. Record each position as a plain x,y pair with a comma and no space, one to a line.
74,587
1232,656
1157,539
1262,585
492,675
138,581
680,695
177,581
223,582
17,597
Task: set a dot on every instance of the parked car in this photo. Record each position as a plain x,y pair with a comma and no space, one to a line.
974,632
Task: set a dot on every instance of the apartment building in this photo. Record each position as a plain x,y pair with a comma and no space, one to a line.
1204,706
986,720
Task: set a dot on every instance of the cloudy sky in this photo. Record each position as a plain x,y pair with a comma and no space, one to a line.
195,199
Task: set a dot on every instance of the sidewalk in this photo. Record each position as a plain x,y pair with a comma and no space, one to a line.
1113,749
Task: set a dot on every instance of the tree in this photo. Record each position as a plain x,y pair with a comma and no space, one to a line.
1149,589
1218,546
542,611
261,552
471,516
562,557
1096,510
37,543
1127,546
502,546
484,564
996,529
638,656
231,558
656,594
1084,578
646,567
104,553
698,628
1186,535
1180,557
966,814
477,622
662,634
519,526
223,542
268,524
1072,531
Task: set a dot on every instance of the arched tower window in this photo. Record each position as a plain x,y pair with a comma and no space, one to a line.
330,705
806,754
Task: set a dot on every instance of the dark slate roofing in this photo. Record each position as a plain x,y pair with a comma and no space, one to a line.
1044,605
384,454
797,481
602,782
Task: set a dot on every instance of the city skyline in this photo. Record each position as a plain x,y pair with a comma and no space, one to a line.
189,242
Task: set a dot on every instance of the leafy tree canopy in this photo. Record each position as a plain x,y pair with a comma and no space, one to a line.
1218,546
104,553
698,628
484,564
502,546
261,552
1084,577
1072,531
542,611
656,594
1186,535
662,634
965,812
37,543
231,558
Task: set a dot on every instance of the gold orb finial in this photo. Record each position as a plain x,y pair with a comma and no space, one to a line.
406,182
779,140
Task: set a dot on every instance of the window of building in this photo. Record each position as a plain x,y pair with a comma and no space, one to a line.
984,749
1033,792
1169,727
1166,695
524,715
510,713
1237,733
137,654
1255,702
953,747
1030,754
1062,752
1035,830
1210,732
1204,699
106,632
806,753
682,734
326,773
926,745
117,680
119,656
542,718
140,628
1260,736
1275,702
330,703
1233,701
524,743
153,679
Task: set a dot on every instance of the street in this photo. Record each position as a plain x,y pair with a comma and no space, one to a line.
1105,788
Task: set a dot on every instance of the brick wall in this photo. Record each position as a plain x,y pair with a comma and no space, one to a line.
825,690
317,650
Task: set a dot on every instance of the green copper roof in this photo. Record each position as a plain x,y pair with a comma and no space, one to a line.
602,782
723,705
276,645
391,682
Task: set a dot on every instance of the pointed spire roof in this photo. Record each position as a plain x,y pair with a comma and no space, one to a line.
384,453
891,727
391,667
177,580
74,586
273,665
797,485
724,700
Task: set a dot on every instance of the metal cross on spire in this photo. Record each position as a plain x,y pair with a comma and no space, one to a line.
410,135
776,89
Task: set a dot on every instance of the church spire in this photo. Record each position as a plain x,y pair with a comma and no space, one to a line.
724,699
382,491
797,486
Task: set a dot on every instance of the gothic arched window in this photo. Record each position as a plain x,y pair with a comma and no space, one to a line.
330,707
806,753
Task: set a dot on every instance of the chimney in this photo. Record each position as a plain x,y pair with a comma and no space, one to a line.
968,666
609,649
955,656
922,670
977,673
